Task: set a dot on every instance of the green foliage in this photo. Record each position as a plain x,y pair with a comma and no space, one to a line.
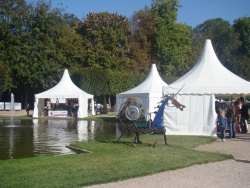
172,41
106,82
242,28
172,44
165,10
38,43
5,80
106,40
141,48
169,79
226,44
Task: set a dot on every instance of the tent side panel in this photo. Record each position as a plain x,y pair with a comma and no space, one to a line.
40,105
198,118
195,109
154,101
210,116
176,121
83,107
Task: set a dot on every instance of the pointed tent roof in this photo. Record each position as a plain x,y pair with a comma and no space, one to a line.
209,76
64,89
152,84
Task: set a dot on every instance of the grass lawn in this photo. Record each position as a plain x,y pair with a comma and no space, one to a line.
107,162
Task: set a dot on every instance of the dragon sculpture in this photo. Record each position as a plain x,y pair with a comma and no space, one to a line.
132,111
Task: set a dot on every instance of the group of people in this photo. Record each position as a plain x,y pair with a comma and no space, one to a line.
98,107
234,116
69,105
72,109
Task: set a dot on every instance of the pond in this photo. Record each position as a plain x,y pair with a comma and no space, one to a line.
39,137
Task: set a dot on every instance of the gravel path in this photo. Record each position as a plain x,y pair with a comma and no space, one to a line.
230,173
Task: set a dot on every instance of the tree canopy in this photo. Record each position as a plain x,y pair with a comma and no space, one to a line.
108,53
172,40
106,39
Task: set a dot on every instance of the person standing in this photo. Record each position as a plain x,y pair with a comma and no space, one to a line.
101,109
95,108
231,120
28,109
223,125
238,106
243,116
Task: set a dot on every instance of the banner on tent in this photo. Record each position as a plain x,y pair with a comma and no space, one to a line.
60,100
58,113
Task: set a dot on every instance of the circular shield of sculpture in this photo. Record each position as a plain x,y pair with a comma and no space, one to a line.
133,112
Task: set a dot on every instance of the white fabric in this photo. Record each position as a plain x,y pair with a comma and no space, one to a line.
149,92
64,89
198,118
197,90
209,76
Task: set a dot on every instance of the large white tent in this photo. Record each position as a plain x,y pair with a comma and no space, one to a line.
63,90
207,79
149,92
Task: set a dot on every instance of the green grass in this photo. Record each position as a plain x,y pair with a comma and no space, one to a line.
105,117
107,162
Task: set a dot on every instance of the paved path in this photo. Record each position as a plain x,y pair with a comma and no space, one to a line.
230,173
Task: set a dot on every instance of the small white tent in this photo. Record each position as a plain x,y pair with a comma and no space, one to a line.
63,90
201,84
149,92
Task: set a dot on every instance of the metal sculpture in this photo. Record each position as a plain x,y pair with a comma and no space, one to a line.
132,111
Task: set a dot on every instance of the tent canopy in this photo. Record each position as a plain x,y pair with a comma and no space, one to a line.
197,90
149,91
64,89
152,84
209,76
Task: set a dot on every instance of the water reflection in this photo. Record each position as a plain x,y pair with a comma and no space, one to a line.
37,137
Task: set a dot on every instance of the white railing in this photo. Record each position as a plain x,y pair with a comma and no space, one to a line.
6,106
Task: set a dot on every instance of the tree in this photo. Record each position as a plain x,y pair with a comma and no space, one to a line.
165,10
5,80
241,27
142,38
106,40
173,43
13,25
107,83
7,42
38,44
172,40
105,108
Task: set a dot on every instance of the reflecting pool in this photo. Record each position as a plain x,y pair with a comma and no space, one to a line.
37,137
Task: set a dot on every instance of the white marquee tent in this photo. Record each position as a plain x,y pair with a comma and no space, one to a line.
207,79
149,92
63,90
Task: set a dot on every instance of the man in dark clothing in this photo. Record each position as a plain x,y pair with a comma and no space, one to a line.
243,116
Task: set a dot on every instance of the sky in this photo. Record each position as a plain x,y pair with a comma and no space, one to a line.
192,12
